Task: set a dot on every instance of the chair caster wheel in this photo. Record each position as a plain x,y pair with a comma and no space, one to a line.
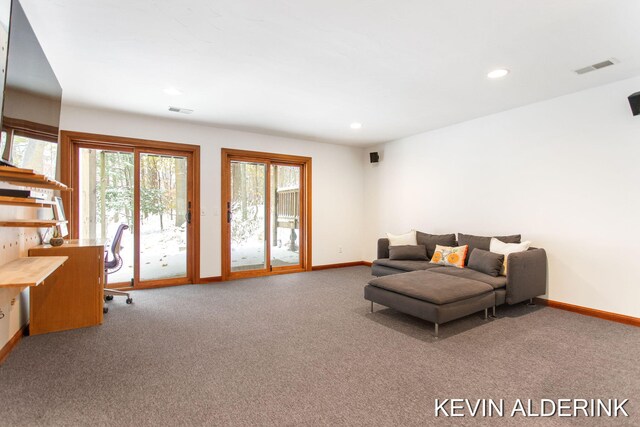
108,297
129,300
105,310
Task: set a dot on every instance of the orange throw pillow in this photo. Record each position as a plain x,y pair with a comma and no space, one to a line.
449,255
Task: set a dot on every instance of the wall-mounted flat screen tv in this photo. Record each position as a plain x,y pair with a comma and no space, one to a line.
32,99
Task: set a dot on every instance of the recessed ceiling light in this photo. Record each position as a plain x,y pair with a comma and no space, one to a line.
496,74
356,125
172,91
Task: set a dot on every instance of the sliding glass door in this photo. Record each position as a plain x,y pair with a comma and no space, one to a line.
150,190
163,217
247,217
105,188
265,208
285,215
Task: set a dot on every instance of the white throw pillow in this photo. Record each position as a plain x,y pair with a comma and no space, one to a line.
500,247
402,239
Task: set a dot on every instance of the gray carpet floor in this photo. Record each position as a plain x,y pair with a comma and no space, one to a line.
303,349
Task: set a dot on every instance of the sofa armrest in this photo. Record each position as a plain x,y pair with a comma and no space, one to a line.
526,275
383,248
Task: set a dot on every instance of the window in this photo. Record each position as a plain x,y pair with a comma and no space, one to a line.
3,144
30,145
36,154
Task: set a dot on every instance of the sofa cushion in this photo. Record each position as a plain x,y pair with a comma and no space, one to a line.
380,270
486,262
405,265
402,239
431,240
467,273
434,288
483,242
383,248
408,252
506,249
447,255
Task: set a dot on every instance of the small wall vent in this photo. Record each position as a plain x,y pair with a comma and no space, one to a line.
180,110
599,65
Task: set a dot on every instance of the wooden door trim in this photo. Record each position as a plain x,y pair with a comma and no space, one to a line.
68,174
95,146
136,218
228,154
101,139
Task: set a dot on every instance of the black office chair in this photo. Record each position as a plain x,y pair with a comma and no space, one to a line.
114,264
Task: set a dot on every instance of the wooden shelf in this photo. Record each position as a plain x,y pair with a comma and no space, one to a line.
23,201
31,223
30,271
28,178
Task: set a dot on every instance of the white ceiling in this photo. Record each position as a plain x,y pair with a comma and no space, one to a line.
308,68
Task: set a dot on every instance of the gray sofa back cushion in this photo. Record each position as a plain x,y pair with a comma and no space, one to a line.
486,262
483,242
431,240
408,252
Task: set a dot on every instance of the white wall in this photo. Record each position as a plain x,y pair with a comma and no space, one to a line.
337,173
563,172
15,243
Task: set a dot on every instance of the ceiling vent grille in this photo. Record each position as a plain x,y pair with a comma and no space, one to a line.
180,110
597,66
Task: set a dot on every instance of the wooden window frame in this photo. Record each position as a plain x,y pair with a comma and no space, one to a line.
305,163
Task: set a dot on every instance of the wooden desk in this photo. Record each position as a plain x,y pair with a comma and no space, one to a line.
72,297
30,271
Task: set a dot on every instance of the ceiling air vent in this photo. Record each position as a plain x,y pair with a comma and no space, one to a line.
597,66
180,110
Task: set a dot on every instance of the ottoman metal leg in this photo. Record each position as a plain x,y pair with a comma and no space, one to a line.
436,330
486,313
372,306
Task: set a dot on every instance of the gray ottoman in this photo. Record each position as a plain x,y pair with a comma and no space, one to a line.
434,297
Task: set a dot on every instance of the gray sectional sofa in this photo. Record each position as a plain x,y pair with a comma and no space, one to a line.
441,293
